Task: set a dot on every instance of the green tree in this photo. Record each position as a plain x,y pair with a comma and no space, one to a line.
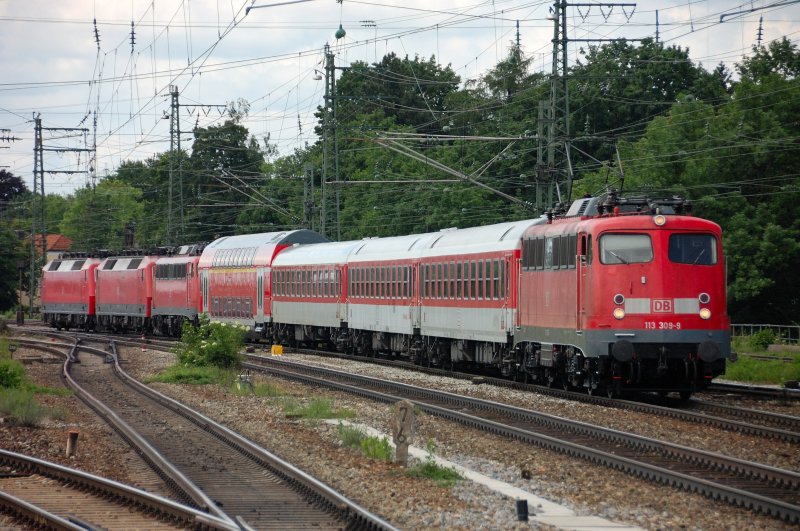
98,217
225,168
13,252
738,160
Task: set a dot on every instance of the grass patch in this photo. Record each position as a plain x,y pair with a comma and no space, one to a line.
316,408
443,476
762,371
350,435
52,391
180,374
261,389
376,448
370,446
21,406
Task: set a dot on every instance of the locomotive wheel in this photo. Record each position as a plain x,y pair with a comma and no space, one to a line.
685,395
612,391
592,387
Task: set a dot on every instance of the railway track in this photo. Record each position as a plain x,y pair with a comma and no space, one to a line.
764,489
747,421
45,494
208,466
740,420
242,480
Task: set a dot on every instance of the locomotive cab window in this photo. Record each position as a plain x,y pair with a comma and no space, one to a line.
625,248
695,249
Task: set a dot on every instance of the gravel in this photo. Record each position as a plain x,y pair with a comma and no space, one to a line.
384,488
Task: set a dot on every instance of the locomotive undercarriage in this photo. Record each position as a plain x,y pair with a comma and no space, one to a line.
168,325
123,323
647,367
67,321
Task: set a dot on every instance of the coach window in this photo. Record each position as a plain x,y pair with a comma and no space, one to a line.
625,248
424,271
479,279
459,279
399,283
450,282
473,278
439,281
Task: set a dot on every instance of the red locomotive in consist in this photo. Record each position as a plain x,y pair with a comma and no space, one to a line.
125,292
616,294
176,290
631,297
68,291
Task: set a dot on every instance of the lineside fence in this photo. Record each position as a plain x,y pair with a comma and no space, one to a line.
786,334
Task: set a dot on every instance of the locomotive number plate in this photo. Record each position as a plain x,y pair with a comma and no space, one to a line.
661,325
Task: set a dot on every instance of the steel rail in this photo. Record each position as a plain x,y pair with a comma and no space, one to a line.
154,503
767,424
356,516
712,462
171,475
22,509
782,393
792,434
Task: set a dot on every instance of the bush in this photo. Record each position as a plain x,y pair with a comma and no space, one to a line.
12,374
211,344
762,339
21,406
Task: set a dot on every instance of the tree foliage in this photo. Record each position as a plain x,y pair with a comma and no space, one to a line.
97,218
669,125
13,252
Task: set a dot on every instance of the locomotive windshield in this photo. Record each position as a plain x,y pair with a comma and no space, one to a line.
625,248
696,249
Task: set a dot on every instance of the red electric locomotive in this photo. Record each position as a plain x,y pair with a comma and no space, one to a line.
68,291
176,290
125,292
623,294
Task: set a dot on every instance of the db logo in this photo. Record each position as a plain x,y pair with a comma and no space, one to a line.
662,305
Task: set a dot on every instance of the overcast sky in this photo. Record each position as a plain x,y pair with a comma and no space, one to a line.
53,65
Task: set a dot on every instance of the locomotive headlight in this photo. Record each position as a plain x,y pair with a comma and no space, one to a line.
705,313
704,298
660,220
619,313
619,298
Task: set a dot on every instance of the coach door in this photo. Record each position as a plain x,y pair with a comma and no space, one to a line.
581,263
414,298
204,283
